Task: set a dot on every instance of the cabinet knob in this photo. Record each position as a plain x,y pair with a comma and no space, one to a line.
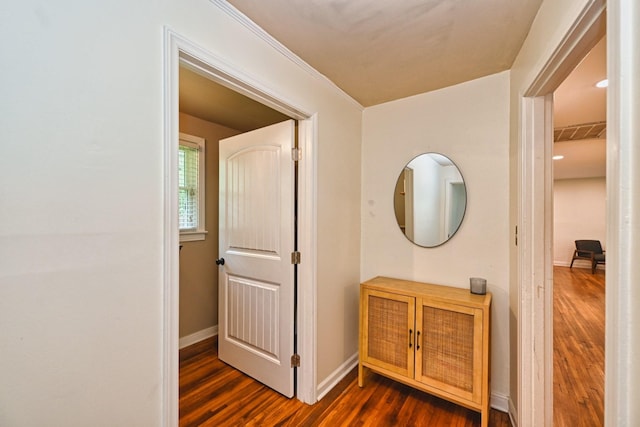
410,336
220,261
417,340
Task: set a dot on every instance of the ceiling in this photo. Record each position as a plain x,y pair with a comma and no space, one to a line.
580,107
381,50
207,100
393,49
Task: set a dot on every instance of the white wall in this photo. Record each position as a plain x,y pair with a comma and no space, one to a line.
579,207
468,123
622,352
81,190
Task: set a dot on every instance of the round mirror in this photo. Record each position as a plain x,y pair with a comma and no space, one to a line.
430,199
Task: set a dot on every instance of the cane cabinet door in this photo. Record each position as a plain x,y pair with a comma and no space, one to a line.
388,331
449,349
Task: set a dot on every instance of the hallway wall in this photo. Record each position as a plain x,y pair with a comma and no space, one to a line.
579,213
469,123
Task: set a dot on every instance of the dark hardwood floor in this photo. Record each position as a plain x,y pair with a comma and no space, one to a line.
578,347
214,394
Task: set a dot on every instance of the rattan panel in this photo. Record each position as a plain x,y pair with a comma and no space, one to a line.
448,347
388,334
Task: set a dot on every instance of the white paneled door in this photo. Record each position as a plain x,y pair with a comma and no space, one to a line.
256,286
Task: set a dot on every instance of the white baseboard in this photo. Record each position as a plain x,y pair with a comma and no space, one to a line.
500,402
561,263
577,264
198,336
330,382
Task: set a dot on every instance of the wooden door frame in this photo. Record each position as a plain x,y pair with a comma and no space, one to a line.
535,219
180,50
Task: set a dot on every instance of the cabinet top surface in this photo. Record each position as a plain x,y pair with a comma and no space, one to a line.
461,295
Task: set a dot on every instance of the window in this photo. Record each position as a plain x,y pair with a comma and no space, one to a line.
191,199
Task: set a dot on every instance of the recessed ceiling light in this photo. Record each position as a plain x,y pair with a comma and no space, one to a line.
603,83
558,157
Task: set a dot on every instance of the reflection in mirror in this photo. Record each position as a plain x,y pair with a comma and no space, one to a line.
430,199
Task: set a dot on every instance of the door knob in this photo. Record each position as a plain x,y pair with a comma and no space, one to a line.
220,261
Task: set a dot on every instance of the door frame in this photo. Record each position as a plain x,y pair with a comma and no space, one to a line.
179,50
535,218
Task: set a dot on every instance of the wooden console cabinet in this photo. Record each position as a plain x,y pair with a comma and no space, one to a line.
434,338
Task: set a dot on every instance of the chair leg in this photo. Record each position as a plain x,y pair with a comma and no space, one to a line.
593,267
571,266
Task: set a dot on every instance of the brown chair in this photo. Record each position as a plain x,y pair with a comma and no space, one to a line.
589,250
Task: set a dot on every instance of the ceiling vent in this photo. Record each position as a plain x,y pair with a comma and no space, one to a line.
584,131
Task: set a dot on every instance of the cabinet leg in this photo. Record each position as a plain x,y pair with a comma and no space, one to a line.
361,374
484,416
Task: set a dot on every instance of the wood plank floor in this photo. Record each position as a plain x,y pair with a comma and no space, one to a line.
578,361
214,394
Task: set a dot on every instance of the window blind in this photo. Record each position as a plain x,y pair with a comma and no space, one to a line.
188,190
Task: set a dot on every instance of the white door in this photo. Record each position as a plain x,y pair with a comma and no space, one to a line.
256,281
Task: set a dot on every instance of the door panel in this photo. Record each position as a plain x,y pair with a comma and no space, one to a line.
252,309
253,221
449,353
388,331
256,294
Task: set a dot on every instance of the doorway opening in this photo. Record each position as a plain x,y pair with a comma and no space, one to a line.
535,218
184,57
212,112
579,202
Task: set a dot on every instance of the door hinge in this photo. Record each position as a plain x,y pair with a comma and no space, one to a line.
295,257
295,361
296,154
